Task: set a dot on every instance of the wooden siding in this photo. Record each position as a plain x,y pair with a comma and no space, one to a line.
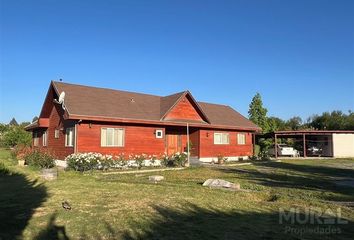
56,146
184,110
137,139
209,149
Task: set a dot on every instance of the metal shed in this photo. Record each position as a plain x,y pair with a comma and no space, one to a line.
333,143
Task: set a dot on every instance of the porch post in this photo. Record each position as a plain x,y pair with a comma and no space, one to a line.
187,144
304,143
275,146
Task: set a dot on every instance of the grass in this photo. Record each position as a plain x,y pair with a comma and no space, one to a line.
130,207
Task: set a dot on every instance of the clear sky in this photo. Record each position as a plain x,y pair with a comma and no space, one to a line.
298,54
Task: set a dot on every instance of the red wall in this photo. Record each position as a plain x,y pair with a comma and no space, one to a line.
184,110
56,145
209,149
138,139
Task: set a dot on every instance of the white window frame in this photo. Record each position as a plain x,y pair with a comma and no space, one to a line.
56,133
70,134
35,139
223,136
45,138
241,138
114,130
159,133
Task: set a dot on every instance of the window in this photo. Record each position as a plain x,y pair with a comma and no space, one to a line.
221,138
241,138
35,139
45,138
159,133
112,137
56,133
69,137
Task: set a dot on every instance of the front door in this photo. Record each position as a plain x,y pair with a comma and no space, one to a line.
172,143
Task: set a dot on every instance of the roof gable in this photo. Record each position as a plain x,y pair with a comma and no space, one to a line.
48,102
185,108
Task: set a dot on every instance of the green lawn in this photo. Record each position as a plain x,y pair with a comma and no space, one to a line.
130,207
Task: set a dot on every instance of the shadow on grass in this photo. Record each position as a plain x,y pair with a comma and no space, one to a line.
52,231
298,176
193,222
324,171
18,199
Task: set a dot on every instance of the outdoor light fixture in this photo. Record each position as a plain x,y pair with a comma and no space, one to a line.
158,133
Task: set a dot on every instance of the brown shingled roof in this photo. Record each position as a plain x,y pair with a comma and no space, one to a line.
108,103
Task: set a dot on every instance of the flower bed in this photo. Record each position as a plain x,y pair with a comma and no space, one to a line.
97,161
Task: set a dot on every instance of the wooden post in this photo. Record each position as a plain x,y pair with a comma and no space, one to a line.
187,144
254,143
275,146
304,143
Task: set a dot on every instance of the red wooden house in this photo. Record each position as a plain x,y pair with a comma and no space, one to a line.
109,121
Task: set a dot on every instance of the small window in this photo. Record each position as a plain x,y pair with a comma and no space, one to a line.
221,138
56,133
159,134
45,138
241,138
69,137
35,139
112,137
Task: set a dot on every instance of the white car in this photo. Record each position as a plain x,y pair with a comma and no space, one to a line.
284,150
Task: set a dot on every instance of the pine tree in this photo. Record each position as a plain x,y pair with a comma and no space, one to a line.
13,122
257,113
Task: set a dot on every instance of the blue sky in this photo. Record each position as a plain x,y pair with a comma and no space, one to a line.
298,54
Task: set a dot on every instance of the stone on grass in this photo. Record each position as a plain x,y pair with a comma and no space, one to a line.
156,178
49,174
219,183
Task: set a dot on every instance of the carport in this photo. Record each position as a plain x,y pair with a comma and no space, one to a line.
305,139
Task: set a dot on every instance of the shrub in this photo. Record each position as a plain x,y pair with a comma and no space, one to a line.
180,159
85,161
41,159
139,160
253,158
16,135
106,162
177,159
264,155
20,151
165,161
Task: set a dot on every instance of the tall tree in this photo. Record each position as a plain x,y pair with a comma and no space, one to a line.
257,113
13,122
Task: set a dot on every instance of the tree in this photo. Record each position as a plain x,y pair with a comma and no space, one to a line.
13,122
16,135
35,119
276,124
24,124
294,123
336,120
257,113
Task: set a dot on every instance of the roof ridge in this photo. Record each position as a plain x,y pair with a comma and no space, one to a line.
104,88
225,105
